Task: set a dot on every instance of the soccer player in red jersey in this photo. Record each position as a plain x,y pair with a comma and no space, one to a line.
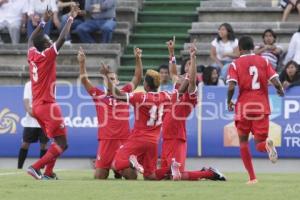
142,144
174,146
252,73
42,65
113,115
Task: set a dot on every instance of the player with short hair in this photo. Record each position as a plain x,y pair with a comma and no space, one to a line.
252,73
174,146
42,55
113,115
32,131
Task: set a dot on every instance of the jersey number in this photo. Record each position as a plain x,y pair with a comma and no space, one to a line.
254,72
35,76
155,116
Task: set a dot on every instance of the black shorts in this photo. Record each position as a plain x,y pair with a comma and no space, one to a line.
33,135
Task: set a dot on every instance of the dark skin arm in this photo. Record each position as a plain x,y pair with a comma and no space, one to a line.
138,72
27,107
276,83
192,70
230,93
172,66
83,73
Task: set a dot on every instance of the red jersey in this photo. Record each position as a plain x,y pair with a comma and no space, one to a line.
174,124
252,74
113,115
148,110
42,66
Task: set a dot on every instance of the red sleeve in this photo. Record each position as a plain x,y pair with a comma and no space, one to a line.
136,98
270,71
30,54
127,88
51,52
232,73
96,93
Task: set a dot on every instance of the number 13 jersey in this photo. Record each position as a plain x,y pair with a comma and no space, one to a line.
42,70
252,74
148,113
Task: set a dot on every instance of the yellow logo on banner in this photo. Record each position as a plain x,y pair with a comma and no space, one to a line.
231,138
8,121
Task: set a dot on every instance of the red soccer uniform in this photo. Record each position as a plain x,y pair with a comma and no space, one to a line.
174,130
42,66
142,142
252,74
113,122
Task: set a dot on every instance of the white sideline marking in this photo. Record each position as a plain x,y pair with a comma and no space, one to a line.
17,173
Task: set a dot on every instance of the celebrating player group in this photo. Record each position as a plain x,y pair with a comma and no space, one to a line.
130,152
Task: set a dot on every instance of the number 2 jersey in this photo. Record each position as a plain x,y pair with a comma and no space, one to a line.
42,70
252,74
148,112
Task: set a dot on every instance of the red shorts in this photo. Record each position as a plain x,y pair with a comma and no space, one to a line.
258,125
173,148
106,152
146,153
50,119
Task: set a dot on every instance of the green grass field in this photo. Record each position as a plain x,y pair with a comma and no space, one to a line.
75,184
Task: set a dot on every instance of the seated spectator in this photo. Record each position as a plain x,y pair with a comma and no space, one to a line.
290,76
269,49
293,52
291,5
66,6
13,17
36,9
224,48
165,81
211,77
103,13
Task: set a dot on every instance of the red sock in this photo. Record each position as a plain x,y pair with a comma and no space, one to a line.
162,173
196,175
49,167
119,165
261,147
247,159
53,152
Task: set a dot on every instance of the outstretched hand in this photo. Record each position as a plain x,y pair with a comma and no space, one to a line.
81,55
74,11
193,50
138,52
104,69
47,15
171,46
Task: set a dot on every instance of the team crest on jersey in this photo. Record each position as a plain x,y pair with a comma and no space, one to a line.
8,121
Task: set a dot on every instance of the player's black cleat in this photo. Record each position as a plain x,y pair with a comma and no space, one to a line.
34,173
52,177
218,176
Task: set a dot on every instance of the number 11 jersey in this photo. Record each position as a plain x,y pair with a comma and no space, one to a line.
252,74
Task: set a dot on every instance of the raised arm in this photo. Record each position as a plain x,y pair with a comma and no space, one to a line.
110,86
172,62
138,72
276,82
83,73
65,31
230,93
39,29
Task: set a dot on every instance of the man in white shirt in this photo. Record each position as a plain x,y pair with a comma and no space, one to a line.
13,17
294,49
32,131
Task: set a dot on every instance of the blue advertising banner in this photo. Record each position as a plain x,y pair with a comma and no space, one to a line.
218,134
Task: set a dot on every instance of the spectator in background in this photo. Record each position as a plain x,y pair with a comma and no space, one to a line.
269,49
66,6
293,52
36,9
13,17
291,5
211,77
103,13
224,48
165,81
290,76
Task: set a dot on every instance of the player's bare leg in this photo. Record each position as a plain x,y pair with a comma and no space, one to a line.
101,173
286,12
246,157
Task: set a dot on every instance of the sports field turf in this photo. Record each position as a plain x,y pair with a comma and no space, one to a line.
79,184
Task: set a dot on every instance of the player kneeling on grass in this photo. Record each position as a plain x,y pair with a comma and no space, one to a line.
252,73
113,115
42,55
